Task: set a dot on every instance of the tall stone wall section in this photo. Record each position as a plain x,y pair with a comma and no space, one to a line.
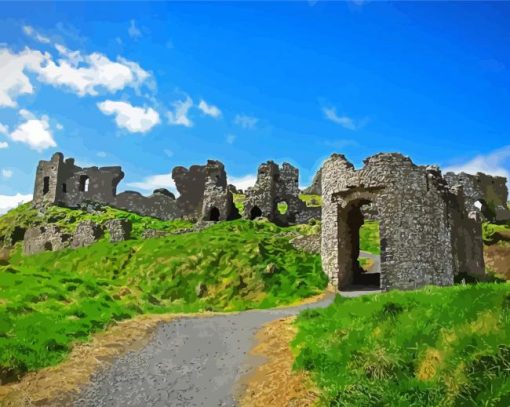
415,213
491,191
277,184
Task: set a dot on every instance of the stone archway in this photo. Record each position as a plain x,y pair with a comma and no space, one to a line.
350,220
214,214
255,212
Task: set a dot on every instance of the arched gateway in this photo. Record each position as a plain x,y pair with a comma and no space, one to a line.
426,234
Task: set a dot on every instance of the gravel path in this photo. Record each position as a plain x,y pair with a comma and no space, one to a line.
376,266
189,362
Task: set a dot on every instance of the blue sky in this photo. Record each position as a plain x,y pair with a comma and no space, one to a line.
153,85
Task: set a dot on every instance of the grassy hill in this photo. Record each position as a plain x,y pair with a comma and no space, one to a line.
52,299
433,347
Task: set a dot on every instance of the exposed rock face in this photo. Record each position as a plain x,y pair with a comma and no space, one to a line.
119,229
426,234
490,191
315,188
87,232
275,185
152,233
62,182
45,238
310,244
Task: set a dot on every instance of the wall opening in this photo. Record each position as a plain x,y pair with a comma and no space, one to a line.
282,207
64,188
485,209
46,185
214,214
48,246
358,248
255,212
84,183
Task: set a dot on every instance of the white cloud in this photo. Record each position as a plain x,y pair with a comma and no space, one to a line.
494,163
8,202
81,73
180,116
28,30
34,132
133,30
243,182
344,121
153,182
230,138
209,110
168,152
14,81
59,126
3,129
101,154
86,74
132,118
6,173
247,122
3,144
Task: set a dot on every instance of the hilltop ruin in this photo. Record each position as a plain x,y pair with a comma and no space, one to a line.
428,233
429,223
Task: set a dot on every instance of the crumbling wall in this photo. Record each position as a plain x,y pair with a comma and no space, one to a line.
275,185
490,191
203,192
418,239
61,182
316,187
45,238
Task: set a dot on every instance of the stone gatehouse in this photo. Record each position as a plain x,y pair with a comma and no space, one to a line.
427,235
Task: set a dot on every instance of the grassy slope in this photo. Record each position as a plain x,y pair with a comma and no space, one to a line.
369,237
432,347
497,249
49,300
309,200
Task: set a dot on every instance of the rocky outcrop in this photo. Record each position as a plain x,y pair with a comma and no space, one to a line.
86,233
119,229
45,238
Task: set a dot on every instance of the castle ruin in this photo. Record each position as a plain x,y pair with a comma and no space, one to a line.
427,234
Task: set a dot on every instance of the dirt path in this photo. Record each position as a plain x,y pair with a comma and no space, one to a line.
188,362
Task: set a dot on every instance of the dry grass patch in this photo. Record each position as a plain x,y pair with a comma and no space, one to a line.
274,383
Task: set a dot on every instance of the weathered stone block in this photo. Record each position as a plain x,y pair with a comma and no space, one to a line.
119,229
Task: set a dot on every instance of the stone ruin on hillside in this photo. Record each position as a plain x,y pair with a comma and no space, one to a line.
276,185
203,190
428,232
430,224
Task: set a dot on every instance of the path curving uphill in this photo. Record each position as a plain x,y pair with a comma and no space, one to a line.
188,362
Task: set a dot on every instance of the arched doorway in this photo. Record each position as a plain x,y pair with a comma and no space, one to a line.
357,268
214,214
255,212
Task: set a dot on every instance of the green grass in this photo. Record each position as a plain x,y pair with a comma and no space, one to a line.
369,237
239,202
50,300
493,233
311,200
433,347
25,216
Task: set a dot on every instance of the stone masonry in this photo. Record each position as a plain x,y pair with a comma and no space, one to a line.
426,234
274,185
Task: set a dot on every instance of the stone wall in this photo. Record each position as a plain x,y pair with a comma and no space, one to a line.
490,191
61,182
274,185
419,241
315,188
